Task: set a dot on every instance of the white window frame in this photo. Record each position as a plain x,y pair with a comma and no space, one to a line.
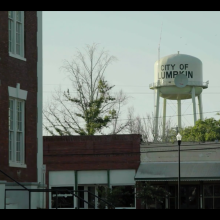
17,95
12,32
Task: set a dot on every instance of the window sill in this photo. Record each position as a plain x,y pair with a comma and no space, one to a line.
20,165
17,56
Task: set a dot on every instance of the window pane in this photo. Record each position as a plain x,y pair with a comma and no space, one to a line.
10,14
217,203
208,190
160,204
81,195
19,117
18,16
18,147
18,38
172,190
91,197
10,35
172,203
10,145
193,197
64,198
10,114
208,203
216,190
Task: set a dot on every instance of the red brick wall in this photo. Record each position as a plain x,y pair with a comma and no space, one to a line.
103,152
13,71
92,152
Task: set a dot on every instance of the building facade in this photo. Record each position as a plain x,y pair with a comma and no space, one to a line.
199,174
21,145
86,163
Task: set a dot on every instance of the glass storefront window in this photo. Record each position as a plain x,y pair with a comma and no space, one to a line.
217,203
208,190
216,190
208,203
63,198
91,197
212,196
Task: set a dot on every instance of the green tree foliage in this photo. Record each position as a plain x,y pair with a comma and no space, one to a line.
89,107
207,130
149,194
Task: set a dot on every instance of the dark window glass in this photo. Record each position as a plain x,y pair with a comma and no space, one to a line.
91,197
126,197
160,204
208,190
208,203
172,203
217,203
172,190
64,197
193,197
216,190
81,195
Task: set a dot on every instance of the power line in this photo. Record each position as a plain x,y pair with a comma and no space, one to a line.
123,85
142,93
162,116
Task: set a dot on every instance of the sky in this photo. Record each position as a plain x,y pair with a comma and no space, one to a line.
133,37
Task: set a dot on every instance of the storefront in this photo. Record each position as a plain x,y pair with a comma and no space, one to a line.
199,174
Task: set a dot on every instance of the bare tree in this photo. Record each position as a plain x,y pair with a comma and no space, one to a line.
145,127
89,107
117,125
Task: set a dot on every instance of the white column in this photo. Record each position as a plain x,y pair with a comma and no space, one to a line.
39,98
194,104
179,113
39,106
164,115
200,106
156,112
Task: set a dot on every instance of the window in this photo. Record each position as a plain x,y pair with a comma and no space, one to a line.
16,131
125,196
87,193
16,123
62,197
212,196
16,34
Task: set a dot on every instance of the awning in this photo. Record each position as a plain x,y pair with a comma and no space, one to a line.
168,171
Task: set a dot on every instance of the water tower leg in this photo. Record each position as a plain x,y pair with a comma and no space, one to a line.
164,115
194,104
156,113
200,106
179,113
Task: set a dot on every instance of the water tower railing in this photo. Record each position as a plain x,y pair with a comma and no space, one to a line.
171,83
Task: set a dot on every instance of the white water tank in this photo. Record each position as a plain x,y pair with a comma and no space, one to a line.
168,67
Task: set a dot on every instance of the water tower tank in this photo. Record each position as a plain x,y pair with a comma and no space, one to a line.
167,68
178,77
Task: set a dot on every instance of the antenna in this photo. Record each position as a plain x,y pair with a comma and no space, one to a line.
159,49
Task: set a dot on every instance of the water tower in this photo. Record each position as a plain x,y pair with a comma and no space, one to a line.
177,77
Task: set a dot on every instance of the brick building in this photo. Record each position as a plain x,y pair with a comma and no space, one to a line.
21,154
87,162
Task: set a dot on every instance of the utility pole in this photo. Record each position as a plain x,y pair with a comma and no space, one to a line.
177,131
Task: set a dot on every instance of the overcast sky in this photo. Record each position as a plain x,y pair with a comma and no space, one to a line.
133,37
